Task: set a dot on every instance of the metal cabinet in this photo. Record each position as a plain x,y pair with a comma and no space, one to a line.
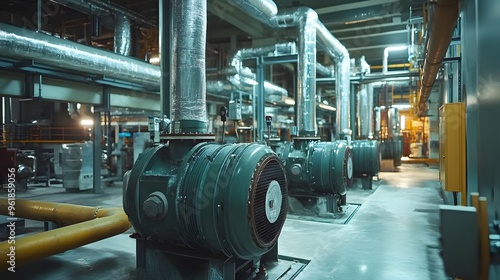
452,149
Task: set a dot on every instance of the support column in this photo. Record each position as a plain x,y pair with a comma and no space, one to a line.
259,101
97,137
166,23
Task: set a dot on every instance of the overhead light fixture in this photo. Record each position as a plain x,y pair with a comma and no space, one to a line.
396,48
401,106
289,101
87,122
326,107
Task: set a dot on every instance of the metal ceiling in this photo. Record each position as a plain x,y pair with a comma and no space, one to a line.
364,27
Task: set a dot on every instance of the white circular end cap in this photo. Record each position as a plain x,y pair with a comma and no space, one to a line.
349,168
273,201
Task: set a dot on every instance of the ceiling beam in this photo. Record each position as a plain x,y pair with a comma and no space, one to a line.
236,18
367,26
355,5
370,47
373,34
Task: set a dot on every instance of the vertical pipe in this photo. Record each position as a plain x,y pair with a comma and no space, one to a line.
484,239
166,24
369,121
363,111
305,99
188,61
355,111
39,16
342,88
260,103
123,35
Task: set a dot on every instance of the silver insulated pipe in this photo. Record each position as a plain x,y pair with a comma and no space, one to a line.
306,68
123,35
21,43
188,63
365,111
342,92
369,121
290,18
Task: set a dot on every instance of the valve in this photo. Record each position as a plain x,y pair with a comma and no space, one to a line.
223,118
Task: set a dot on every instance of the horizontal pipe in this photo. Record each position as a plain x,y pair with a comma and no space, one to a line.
444,19
84,225
104,8
272,91
21,43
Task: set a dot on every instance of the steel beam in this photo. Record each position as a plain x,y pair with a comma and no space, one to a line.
133,99
53,89
12,84
235,17
367,26
351,6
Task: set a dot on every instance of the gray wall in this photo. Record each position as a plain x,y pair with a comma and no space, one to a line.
481,76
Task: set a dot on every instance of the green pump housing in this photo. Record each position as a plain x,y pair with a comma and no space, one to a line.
367,157
228,200
319,168
392,149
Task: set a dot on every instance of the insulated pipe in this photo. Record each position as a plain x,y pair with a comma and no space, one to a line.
324,70
102,8
444,19
262,10
21,43
369,121
222,86
363,111
188,63
305,99
342,98
123,35
85,225
326,41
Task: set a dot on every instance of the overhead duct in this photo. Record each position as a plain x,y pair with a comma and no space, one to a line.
104,8
444,19
123,35
188,65
21,43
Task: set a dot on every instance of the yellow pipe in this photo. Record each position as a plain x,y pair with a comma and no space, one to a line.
484,239
474,198
85,225
396,65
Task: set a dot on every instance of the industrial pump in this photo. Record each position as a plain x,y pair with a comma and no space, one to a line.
225,200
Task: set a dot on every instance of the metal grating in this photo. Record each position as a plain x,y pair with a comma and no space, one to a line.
267,233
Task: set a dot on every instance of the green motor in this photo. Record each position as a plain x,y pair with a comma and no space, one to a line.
318,167
229,199
367,157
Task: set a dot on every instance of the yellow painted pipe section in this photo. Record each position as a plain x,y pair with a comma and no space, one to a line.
474,198
484,239
85,225
390,66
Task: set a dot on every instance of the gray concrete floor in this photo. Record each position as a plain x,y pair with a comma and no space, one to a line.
394,235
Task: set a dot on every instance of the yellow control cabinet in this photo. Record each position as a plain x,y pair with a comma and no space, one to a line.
452,148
